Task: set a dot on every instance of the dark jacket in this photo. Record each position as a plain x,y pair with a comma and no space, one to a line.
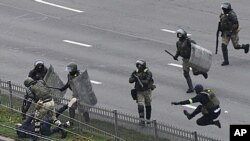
145,78
37,74
70,77
229,22
184,48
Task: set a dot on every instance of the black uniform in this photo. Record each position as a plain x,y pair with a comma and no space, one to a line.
209,108
38,74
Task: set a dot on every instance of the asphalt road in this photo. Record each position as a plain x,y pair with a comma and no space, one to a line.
112,34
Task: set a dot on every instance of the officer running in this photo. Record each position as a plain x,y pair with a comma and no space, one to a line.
184,50
229,26
44,103
142,77
209,106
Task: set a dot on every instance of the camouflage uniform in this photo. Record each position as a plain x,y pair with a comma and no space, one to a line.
44,103
229,26
184,50
143,92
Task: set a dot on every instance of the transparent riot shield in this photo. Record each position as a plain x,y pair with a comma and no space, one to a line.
52,80
201,58
82,89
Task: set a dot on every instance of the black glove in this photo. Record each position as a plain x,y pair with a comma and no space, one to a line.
175,57
175,103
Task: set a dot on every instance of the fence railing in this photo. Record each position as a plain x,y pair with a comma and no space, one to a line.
122,126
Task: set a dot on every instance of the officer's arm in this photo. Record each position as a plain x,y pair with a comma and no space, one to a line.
195,99
32,74
66,86
132,78
147,79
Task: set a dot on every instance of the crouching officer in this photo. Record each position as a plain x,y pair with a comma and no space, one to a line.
142,77
44,103
184,50
209,106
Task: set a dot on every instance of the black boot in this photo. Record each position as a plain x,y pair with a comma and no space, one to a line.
86,117
189,82
148,113
205,75
187,114
225,55
217,123
62,131
141,114
72,114
246,48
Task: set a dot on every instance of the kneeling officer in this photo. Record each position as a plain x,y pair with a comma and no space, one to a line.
209,106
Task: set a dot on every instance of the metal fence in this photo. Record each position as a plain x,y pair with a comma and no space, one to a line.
117,125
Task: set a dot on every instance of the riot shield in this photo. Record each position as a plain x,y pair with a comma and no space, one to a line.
52,80
82,89
201,58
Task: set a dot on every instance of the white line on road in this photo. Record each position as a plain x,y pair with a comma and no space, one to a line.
190,106
95,82
171,31
77,43
59,6
175,65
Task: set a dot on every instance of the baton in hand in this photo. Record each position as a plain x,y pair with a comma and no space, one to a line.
170,54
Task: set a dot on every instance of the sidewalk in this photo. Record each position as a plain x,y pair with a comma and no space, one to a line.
5,139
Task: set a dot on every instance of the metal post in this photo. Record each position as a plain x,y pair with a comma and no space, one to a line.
116,124
195,136
10,97
155,128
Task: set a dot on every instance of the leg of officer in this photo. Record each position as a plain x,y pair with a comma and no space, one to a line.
225,41
148,100
185,68
140,102
208,119
235,42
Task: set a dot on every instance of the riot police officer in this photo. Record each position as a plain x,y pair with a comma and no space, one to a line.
229,26
142,77
184,50
73,72
210,106
44,103
39,71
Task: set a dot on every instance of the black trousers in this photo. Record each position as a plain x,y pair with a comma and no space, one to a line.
208,119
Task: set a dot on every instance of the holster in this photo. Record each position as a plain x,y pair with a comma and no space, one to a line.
134,94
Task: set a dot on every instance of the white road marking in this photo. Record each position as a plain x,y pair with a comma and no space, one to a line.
190,106
171,31
59,6
95,82
175,65
77,43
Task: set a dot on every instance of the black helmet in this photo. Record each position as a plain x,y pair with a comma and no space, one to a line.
141,62
39,64
198,88
181,33
226,5
71,67
28,82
